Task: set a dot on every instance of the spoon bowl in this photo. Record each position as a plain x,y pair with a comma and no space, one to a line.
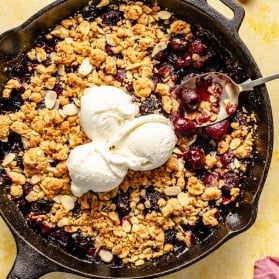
216,98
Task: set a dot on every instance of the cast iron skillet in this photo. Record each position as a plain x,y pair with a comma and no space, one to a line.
35,257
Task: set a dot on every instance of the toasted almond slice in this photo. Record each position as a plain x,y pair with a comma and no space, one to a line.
100,30
61,112
67,202
164,14
56,106
61,70
159,47
85,67
68,40
134,66
112,39
50,99
36,178
8,159
70,109
183,198
76,101
57,198
134,220
172,191
126,225
105,255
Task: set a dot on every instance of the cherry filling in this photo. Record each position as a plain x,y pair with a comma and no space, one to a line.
190,98
218,130
194,158
201,103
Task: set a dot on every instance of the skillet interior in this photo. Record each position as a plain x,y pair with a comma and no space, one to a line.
14,43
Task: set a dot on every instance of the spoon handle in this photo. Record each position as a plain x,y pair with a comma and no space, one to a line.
250,84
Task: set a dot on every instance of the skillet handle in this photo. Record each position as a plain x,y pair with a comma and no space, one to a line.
239,13
29,263
232,24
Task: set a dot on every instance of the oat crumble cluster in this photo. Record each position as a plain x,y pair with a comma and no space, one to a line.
146,51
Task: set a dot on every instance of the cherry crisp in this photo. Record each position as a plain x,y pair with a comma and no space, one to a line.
146,51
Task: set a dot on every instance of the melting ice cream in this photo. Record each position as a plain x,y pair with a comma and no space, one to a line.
104,111
120,141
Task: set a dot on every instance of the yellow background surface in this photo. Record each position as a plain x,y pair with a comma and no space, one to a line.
236,258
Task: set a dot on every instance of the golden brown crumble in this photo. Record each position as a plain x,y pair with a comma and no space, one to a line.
49,134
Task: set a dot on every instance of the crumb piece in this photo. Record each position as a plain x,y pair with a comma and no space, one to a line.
211,193
34,161
143,87
5,123
17,178
134,12
180,27
209,217
194,186
16,191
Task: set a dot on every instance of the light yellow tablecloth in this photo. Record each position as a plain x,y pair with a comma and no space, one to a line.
235,259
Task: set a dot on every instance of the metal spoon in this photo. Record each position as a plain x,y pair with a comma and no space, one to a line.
228,100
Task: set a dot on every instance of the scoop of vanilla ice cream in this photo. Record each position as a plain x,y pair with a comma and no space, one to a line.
90,169
144,143
104,110
120,141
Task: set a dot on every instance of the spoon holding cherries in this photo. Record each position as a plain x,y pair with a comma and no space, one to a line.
212,97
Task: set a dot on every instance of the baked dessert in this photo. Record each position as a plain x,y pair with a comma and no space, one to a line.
146,52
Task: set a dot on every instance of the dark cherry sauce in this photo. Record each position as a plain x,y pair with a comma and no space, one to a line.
179,246
122,202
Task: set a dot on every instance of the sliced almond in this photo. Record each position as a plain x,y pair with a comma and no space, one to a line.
67,202
8,159
159,47
134,220
183,198
100,30
68,40
70,109
76,101
172,191
36,178
114,217
61,70
134,66
105,255
50,99
57,198
32,196
57,104
61,112
235,143
126,225
85,67
164,14
112,40
84,28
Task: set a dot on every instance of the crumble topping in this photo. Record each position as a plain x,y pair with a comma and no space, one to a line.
151,213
